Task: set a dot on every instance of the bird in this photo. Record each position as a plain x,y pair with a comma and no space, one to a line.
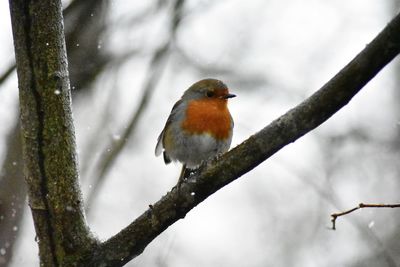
199,127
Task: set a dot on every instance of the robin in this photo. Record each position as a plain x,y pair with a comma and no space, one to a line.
199,127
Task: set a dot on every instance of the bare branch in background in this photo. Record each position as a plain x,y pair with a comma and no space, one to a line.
7,73
137,19
85,25
155,70
237,76
12,196
360,206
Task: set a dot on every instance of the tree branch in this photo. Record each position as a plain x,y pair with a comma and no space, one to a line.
305,117
360,206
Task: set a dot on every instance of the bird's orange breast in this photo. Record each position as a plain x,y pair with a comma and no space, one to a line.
208,116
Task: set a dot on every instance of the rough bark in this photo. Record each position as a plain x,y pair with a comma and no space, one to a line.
48,139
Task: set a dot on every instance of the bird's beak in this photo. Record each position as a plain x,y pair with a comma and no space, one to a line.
228,96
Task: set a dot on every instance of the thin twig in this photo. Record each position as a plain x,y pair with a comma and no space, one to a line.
360,206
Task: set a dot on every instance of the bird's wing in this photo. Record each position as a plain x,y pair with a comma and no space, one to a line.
160,139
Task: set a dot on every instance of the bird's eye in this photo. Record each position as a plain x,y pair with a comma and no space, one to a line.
209,93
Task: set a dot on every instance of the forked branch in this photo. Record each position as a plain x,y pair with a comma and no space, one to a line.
360,206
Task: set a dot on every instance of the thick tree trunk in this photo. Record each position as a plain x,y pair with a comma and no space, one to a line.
47,131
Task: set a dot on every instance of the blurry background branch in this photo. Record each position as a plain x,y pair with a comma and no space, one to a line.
84,25
297,122
154,73
7,73
12,195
